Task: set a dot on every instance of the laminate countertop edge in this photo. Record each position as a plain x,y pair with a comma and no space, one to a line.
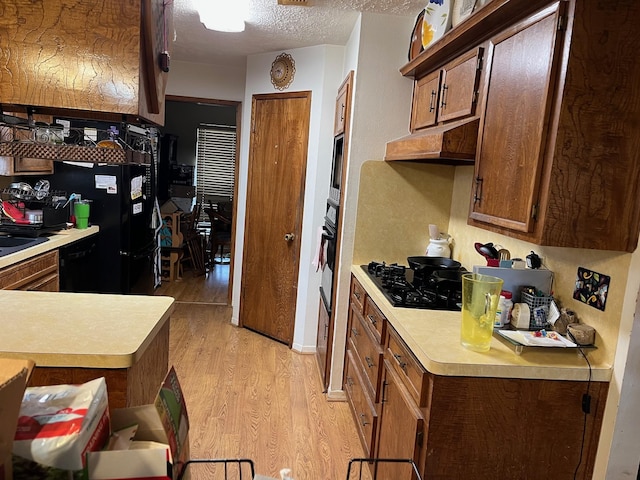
60,329
434,338
55,240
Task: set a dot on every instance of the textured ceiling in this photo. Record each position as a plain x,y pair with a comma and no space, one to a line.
273,27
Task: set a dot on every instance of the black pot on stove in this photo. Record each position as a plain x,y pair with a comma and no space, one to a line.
424,267
448,286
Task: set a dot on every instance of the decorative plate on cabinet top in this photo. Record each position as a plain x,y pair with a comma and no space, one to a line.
436,22
415,43
462,9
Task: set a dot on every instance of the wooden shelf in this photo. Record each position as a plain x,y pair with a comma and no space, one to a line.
483,24
61,153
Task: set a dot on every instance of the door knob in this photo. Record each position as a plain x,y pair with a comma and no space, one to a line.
288,237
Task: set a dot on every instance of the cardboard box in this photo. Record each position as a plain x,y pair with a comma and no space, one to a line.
165,423
14,375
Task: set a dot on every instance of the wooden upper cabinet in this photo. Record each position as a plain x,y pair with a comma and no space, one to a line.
449,93
341,109
425,101
509,160
557,159
78,57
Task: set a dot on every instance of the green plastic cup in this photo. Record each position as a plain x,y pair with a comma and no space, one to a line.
81,212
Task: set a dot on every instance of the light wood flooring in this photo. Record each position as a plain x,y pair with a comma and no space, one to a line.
251,397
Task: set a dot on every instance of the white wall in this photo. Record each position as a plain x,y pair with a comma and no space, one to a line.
380,112
619,447
206,81
318,69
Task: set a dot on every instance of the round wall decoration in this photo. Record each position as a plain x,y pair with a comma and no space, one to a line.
283,70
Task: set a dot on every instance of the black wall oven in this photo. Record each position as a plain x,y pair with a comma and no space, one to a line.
329,239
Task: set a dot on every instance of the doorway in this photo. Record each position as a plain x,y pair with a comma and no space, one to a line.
184,116
275,203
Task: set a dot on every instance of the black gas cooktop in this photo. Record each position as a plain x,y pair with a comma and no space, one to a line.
404,287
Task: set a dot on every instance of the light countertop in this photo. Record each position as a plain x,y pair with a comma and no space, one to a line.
56,240
434,338
58,329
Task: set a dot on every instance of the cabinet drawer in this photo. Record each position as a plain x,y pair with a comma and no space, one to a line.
413,375
368,351
29,273
357,294
362,406
375,319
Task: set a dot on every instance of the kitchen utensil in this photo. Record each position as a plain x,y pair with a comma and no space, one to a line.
504,254
487,250
439,247
41,189
13,212
533,260
34,216
480,296
425,266
21,190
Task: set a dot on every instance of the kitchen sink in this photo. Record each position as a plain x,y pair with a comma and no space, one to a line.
10,244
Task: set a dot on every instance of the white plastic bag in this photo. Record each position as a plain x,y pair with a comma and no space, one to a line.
59,423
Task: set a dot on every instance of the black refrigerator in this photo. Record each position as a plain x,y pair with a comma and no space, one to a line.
122,202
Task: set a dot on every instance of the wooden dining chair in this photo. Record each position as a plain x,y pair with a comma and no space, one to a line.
193,241
220,234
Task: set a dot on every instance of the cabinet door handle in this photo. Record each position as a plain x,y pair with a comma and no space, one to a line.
432,102
443,95
354,332
402,364
342,113
350,381
357,295
372,319
370,363
383,399
363,419
477,194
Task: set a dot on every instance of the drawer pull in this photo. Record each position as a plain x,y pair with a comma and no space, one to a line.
354,332
370,363
403,365
357,295
372,319
432,106
364,420
350,382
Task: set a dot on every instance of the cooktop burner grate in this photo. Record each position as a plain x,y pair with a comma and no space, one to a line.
403,288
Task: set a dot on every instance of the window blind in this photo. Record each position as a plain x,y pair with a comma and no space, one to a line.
216,161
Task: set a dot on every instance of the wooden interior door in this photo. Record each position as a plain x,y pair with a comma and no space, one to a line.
275,200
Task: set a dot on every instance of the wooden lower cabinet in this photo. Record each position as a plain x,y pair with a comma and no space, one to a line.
401,428
37,273
484,428
363,365
455,427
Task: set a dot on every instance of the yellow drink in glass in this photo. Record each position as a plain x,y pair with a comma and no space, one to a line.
480,297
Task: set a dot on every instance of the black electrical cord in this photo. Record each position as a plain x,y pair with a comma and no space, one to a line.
586,406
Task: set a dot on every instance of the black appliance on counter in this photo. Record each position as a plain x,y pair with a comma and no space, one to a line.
122,207
404,287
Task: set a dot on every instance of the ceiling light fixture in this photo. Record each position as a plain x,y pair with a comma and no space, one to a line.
222,15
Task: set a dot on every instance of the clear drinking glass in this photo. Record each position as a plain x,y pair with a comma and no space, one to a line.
480,296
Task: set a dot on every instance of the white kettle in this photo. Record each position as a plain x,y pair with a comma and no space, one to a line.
439,243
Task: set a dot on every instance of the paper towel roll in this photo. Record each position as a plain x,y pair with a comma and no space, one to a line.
520,315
